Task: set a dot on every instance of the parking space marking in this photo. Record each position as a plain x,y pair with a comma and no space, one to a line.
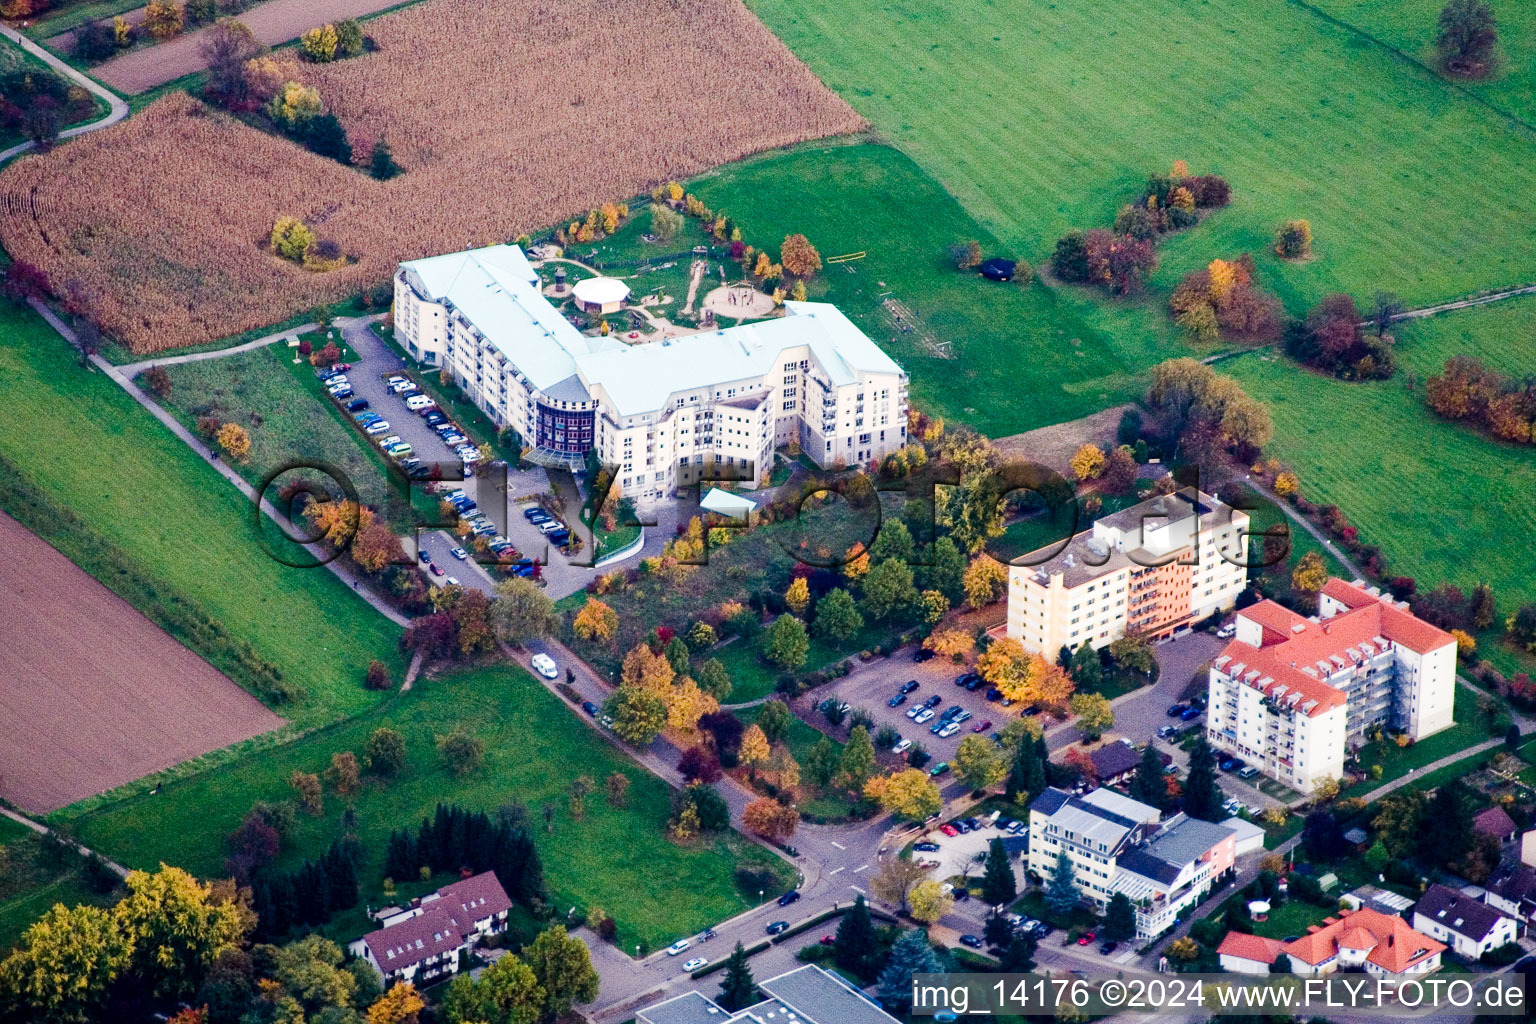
836,870
861,867
856,889
840,846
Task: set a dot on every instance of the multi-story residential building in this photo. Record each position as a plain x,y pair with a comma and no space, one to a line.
1117,845
668,413
1293,695
805,995
424,941
1148,570
1461,922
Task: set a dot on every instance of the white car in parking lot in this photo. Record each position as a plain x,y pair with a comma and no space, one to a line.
681,945
925,715
379,427
695,964
545,666
902,747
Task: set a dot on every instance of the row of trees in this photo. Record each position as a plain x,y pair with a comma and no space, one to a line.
455,839
39,103
1204,411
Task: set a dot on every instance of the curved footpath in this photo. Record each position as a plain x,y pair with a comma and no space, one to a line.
117,113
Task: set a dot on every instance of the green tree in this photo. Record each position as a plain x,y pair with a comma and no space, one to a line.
945,571
462,751
1061,894
893,541
1026,776
1445,832
1202,797
738,989
638,716
858,760
713,679
1019,955
562,966
997,882
911,955
928,902
312,971
1398,821
1376,857
1086,669
1119,918
837,617
678,655
979,763
1134,653
775,718
888,590
1148,785
787,644
385,752
507,992
856,948
381,162
65,964
1095,717
521,612
1467,36
821,762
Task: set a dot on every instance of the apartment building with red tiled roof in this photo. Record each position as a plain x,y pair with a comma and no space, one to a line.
1292,695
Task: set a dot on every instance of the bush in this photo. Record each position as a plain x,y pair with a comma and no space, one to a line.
378,676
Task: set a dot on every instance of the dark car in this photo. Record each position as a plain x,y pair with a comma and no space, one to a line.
926,847
789,897
951,712
424,555
778,927
994,694
896,701
974,684
933,702
357,405
970,940
961,895
922,654
966,678
961,825
1227,764
590,708
1042,930
1189,715
909,686
1108,947
1175,710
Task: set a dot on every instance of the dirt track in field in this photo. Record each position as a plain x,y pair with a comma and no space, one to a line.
93,694
273,22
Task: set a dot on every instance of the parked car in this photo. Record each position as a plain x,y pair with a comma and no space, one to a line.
982,726
590,708
452,581
933,702
909,686
695,964
949,830
1085,938
963,716
1108,947
965,677
896,701
926,847
970,940
435,569
376,428
952,711
994,694
423,556
962,826
544,665
790,897
938,769
902,746
1175,710
1247,772
974,684
946,730
778,928
923,715
677,947
1168,732
1189,714
922,654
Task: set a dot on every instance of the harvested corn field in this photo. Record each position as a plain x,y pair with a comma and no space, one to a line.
507,116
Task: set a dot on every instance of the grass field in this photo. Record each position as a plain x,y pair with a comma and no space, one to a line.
616,859
1024,356
1411,26
1397,761
84,444
1044,117
31,885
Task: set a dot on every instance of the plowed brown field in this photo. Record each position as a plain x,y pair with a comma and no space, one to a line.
508,115
93,694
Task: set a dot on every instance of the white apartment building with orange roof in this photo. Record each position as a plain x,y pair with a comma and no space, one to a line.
1149,569
1293,695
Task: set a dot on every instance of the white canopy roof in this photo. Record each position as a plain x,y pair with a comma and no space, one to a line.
727,504
601,290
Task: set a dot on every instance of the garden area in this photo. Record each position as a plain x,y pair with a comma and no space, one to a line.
606,857
1471,728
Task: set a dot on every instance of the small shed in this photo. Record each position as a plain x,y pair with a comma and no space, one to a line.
1249,837
998,269
732,506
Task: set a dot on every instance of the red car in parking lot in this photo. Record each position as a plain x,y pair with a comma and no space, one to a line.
1085,938
982,726
949,830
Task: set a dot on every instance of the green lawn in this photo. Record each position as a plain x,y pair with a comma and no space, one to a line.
1024,355
77,441
616,859
752,677
1043,117
30,886
1441,500
1411,26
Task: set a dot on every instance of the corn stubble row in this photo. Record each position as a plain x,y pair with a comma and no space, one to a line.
507,115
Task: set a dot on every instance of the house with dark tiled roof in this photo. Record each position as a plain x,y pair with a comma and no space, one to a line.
1512,890
1469,927
1495,822
1292,695
423,942
1115,763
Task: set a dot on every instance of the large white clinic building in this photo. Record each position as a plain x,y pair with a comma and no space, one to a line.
668,413
1293,694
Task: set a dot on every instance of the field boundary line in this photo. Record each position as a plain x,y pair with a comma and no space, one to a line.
43,830
1416,62
118,111
132,370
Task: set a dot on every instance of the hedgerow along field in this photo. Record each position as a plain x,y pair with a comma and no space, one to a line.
1040,118
1023,355
1442,500
133,506
590,114
614,858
